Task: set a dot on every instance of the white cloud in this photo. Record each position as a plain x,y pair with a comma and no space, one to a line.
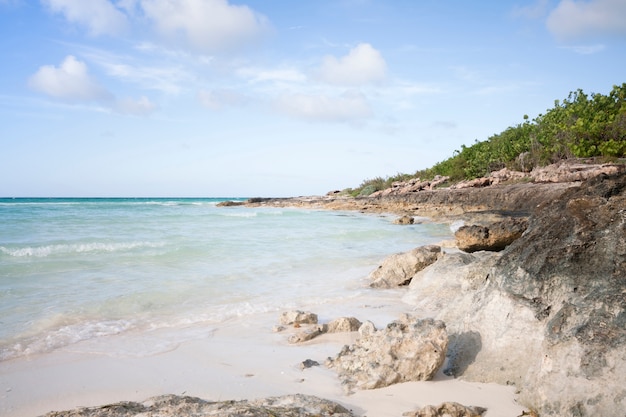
532,11
350,106
208,25
576,19
69,81
256,75
586,49
140,107
362,65
218,99
100,17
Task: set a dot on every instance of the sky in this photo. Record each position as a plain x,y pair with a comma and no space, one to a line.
275,98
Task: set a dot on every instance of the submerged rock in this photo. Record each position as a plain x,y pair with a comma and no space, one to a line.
408,349
397,270
297,405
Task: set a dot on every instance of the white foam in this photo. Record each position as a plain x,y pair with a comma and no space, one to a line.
47,250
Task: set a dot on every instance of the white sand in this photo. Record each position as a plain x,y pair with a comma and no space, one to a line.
240,359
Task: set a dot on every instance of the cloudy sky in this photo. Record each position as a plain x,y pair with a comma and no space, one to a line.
280,97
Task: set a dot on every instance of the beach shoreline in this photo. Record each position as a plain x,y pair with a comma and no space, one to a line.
243,359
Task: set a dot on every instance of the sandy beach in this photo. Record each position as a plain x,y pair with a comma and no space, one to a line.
240,359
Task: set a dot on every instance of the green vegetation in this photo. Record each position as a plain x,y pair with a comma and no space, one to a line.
581,126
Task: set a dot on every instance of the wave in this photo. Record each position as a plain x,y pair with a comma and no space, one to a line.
47,250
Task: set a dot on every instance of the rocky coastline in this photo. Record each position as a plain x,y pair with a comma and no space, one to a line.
533,295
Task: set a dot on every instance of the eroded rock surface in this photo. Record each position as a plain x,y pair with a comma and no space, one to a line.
408,349
397,270
448,409
493,237
297,405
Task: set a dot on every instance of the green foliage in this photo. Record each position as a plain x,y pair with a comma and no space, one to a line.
581,126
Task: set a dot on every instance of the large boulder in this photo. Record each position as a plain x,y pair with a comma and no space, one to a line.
548,313
297,405
398,269
494,237
408,349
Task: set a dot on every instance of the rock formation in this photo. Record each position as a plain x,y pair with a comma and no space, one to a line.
297,405
406,350
548,313
494,237
397,270
450,409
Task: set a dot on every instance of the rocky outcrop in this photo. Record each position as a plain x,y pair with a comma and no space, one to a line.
397,270
297,405
298,317
493,237
548,313
450,409
408,349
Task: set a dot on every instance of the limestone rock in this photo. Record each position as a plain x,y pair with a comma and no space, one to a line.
404,220
448,409
298,317
344,324
408,349
308,334
494,237
398,270
297,405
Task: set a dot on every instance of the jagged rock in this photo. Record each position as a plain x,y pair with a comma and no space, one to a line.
297,405
548,313
568,171
230,203
344,324
308,334
569,269
448,409
367,329
397,270
404,220
494,237
298,317
406,350
308,363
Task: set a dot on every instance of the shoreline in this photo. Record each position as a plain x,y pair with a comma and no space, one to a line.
244,359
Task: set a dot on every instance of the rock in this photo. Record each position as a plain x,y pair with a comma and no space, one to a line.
494,237
406,350
404,220
570,171
569,269
344,324
398,270
298,317
308,363
297,405
230,203
448,409
278,328
367,329
308,334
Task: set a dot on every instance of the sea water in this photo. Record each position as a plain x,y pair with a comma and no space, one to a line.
80,270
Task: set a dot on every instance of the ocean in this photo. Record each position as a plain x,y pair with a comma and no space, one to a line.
83,271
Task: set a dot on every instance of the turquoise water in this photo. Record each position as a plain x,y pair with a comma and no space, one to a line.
73,270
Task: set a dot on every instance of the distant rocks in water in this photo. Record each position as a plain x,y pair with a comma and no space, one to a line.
230,203
398,269
408,349
448,409
404,220
494,237
297,405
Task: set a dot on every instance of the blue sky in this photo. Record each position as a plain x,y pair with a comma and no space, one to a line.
278,98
